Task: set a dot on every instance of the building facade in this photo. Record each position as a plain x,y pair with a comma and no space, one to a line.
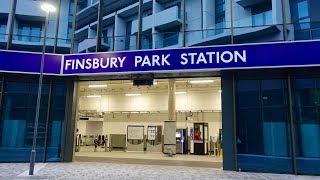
270,117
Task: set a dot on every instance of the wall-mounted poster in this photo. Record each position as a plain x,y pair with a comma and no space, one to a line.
151,132
135,132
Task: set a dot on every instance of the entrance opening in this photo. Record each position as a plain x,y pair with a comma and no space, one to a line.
120,122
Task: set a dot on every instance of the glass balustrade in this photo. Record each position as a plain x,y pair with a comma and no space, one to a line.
3,32
261,19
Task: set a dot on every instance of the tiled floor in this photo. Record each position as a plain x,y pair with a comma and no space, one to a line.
88,151
147,158
128,171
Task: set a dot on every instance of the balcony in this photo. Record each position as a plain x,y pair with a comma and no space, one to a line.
247,3
87,14
167,18
163,20
261,19
90,44
258,25
29,8
147,23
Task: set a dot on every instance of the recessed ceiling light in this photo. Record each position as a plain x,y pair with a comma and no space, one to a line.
93,96
133,94
201,81
181,92
97,85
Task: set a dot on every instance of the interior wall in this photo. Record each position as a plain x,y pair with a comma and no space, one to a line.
192,101
117,123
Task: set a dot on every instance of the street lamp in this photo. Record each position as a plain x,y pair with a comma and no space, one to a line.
47,8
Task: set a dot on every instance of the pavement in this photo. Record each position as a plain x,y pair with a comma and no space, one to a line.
115,171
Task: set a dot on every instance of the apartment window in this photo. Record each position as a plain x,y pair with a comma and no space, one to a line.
262,14
219,16
171,36
128,35
29,31
3,27
105,36
70,21
299,10
82,5
300,16
219,11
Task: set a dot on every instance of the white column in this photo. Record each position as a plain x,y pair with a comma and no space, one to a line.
172,100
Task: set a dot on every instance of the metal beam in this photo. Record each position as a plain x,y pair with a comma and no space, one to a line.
234,121
99,26
140,14
73,25
293,143
284,17
183,16
12,15
57,27
231,23
47,123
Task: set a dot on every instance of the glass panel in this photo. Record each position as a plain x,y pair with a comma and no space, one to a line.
17,124
299,9
316,34
3,31
35,34
56,122
263,128
306,97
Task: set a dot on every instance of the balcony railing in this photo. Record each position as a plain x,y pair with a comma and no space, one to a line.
216,29
261,19
28,36
173,39
3,30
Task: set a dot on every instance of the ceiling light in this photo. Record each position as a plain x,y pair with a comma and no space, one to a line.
201,81
133,94
97,85
181,92
94,96
48,7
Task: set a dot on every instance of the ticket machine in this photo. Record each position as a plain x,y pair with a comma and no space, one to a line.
181,141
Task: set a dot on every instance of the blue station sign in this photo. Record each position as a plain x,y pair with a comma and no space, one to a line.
212,58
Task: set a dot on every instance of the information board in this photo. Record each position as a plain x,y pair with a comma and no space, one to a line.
151,132
135,132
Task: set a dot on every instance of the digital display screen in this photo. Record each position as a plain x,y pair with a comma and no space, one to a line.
178,135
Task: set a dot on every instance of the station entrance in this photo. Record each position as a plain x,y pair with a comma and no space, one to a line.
118,121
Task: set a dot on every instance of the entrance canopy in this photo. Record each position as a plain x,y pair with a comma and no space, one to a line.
270,55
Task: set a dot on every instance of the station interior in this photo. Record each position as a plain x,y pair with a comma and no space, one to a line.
119,121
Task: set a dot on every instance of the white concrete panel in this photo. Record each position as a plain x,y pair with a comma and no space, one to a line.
29,8
5,7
